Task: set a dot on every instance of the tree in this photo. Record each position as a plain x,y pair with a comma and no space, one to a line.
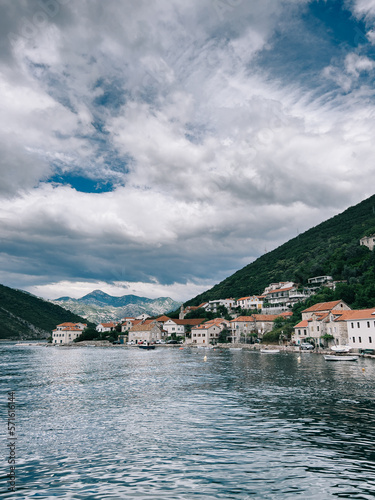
223,336
87,334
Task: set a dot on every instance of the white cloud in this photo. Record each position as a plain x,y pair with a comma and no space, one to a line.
180,292
355,64
364,8
221,159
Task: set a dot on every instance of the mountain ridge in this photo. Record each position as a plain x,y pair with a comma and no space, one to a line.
98,306
25,316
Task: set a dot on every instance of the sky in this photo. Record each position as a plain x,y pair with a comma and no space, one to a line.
154,148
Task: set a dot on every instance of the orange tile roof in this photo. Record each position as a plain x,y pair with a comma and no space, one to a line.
357,314
323,306
242,319
163,318
302,324
142,327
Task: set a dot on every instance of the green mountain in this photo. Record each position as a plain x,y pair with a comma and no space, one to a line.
331,248
24,316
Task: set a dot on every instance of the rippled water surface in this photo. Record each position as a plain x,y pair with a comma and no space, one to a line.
123,423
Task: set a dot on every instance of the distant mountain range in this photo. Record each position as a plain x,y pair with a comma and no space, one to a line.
100,307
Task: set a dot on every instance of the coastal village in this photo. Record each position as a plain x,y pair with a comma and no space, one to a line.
326,324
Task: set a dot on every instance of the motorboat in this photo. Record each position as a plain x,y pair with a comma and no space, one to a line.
270,351
338,357
146,345
341,348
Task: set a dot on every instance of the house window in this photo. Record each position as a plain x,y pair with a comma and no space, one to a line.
353,340
317,328
353,324
370,340
368,324
358,325
359,339
299,332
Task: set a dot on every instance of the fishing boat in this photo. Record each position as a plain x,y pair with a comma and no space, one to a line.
336,357
270,351
146,345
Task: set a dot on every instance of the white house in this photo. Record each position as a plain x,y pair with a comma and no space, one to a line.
105,327
208,332
180,326
251,302
368,241
65,333
213,305
361,328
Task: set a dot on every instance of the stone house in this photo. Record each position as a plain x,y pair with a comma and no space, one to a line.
146,332
65,333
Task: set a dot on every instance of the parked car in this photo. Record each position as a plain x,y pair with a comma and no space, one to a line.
131,342
172,342
305,346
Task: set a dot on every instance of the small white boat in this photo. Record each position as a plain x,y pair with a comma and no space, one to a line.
341,348
235,348
270,351
334,357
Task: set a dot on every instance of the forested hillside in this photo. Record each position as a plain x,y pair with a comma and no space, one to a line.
331,248
24,316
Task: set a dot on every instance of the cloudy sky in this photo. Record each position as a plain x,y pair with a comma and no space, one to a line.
157,147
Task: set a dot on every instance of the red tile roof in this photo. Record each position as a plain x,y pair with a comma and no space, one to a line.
323,306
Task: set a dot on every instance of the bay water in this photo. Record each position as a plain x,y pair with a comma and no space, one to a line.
125,423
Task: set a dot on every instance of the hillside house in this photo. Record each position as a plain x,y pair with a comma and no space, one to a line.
213,305
368,241
65,333
188,309
105,327
251,302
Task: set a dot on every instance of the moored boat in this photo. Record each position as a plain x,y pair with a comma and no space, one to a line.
341,348
335,357
270,351
147,346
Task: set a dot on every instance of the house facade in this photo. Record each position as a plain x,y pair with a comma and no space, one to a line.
361,328
213,305
66,333
205,334
105,327
145,332
368,241
324,318
181,326
260,324
251,302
